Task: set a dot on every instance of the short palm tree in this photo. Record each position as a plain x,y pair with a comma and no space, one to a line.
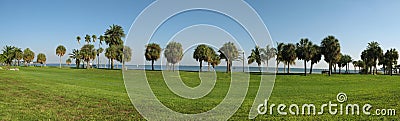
201,53
29,55
68,61
392,55
88,53
112,54
316,56
41,58
76,54
60,51
289,55
304,52
229,52
174,53
152,53
255,57
18,55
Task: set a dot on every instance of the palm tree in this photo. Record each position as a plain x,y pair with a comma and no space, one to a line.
8,54
152,53
216,60
87,39
98,51
289,55
125,56
210,56
28,56
316,56
18,54
279,57
392,55
88,53
68,61
174,53
78,38
114,35
201,54
229,52
41,58
330,48
304,52
60,51
267,54
355,65
76,54
255,57
94,38
374,52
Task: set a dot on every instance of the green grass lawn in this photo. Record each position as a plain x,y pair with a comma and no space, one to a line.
35,93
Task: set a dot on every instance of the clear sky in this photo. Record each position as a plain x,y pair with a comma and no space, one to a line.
42,25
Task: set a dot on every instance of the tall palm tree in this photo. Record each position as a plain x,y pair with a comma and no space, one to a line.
78,38
94,38
174,53
201,54
289,55
114,35
60,51
87,39
98,51
316,56
88,53
29,55
153,52
255,56
229,52
330,48
41,58
304,52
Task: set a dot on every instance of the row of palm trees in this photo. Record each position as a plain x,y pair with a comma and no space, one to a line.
115,51
12,54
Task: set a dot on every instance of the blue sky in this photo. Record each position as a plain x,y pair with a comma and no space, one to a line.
42,25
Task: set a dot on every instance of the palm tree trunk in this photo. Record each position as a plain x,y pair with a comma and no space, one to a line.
259,67
112,63
152,65
87,64
201,65
60,61
98,62
227,66
305,67
173,67
311,67
288,68
277,64
209,66
330,68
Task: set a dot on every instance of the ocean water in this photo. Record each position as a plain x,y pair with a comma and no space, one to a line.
205,68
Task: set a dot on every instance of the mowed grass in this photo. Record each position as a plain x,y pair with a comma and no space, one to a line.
35,93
